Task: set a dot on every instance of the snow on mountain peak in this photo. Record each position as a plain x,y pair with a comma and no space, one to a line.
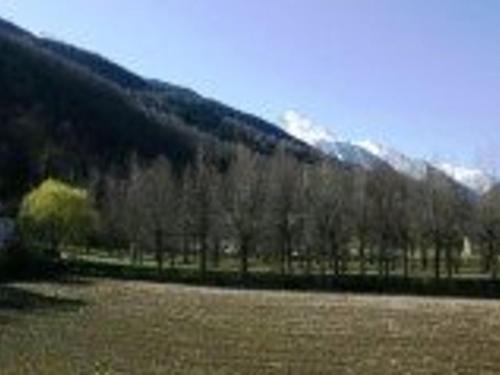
372,147
474,179
304,129
414,168
369,154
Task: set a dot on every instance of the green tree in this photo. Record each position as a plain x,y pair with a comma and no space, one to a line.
56,214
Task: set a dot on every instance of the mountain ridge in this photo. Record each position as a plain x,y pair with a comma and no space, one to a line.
66,111
369,154
90,112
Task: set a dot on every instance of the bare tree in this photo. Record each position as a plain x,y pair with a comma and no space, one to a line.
204,204
489,219
153,196
286,182
328,204
120,210
411,222
245,180
361,211
441,218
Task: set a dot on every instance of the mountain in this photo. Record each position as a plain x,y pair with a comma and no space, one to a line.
55,119
303,128
414,168
350,153
165,100
366,154
474,179
67,112
371,155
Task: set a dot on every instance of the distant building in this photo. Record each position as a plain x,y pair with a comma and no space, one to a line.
467,248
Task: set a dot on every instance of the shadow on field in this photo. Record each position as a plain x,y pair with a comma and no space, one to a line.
66,279
4,320
15,299
53,271
369,284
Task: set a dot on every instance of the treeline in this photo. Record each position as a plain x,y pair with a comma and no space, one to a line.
294,217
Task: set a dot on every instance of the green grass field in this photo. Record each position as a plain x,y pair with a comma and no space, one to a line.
96,326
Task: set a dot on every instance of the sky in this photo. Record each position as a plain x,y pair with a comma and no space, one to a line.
422,76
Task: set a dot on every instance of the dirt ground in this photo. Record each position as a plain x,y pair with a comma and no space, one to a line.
95,326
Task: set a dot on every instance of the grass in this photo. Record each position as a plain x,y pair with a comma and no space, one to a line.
88,326
472,286
470,266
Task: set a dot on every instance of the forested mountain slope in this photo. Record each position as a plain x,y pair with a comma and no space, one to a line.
65,112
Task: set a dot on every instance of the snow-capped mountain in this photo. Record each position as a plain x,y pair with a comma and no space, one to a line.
350,153
370,154
414,168
304,129
474,179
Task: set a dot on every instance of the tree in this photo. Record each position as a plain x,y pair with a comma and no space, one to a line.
329,203
56,213
387,202
362,211
411,222
152,197
285,191
442,219
204,210
489,230
244,204
122,210
114,213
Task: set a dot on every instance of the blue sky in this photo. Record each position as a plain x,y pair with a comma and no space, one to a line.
422,76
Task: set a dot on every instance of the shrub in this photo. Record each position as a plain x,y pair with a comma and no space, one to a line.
55,214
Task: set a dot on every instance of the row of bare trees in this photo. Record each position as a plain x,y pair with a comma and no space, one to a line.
294,217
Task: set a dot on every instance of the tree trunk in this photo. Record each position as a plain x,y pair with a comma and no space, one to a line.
282,260
362,258
457,260
289,256
437,259
449,261
159,249
216,254
406,261
381,252
203,257
494,262
344,260
334,253
387,264
172,257
185,250
322,260
244,258
133,253
424,257
308,260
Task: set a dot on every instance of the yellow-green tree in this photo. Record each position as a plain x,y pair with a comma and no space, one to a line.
56,214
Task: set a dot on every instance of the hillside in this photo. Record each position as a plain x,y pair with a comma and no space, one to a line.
65,112
162,98
54,120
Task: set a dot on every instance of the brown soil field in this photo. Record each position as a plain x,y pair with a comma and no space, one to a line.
96,326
